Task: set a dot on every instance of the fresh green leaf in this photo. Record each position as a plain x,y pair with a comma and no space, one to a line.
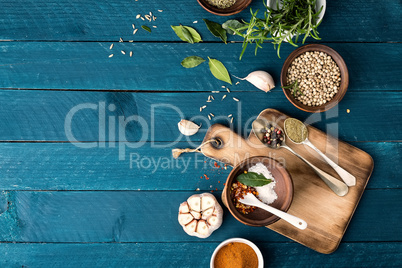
146,28
216,29
219,70
187,35
232,25
194,34
192,61
253,179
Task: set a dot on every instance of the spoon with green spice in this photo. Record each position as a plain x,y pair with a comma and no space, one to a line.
260,129
297,132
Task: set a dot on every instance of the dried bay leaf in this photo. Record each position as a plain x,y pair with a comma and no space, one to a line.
232,24
192,61
187,35
219,70
194,34
216,29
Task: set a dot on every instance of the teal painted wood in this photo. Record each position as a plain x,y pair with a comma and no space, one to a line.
43,115
156,66
151,216
110,20
62,166
178,255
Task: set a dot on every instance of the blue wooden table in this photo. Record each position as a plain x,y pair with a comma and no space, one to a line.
86,173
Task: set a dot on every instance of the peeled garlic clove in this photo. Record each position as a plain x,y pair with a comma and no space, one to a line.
207,213
207,202
261,80
196,215
191,227
185,218
194,202
184,208
202,228
187,127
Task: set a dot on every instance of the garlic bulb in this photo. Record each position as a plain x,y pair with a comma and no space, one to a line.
187,127
261,80
200,215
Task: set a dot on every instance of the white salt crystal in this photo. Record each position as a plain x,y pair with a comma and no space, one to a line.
266,193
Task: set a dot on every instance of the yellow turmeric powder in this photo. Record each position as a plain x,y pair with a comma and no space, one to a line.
236,255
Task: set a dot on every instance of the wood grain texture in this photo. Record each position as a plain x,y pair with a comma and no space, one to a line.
41,115
156,66
109,20
60,166
151,216
176,255
326,214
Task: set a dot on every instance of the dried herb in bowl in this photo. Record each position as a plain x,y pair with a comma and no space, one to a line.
293,19
222,3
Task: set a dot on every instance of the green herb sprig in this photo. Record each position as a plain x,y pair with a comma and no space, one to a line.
294,88
294,18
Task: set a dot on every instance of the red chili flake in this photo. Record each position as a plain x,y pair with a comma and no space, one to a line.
216,165
219,181
212,191
216,189
224,184
206,177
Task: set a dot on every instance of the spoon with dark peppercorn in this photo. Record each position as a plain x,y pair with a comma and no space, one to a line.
273,137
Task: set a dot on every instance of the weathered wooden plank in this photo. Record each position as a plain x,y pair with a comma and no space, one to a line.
109,20
177,255
156,66
62,166
150,216
45,115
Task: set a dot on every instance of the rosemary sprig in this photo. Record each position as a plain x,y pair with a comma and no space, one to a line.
294,18
294,88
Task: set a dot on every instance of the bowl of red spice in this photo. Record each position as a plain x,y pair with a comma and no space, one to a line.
237,252
224,7
278,193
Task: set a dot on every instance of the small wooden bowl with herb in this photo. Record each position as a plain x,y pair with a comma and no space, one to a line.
256,216
224,7
319,85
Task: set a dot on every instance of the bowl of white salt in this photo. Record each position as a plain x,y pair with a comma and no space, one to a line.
268,180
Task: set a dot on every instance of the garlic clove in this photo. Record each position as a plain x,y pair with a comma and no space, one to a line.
202,228
207,213
261,80
214,221
187,127
191,227
185,218
207,202
196,215
184,208
194,202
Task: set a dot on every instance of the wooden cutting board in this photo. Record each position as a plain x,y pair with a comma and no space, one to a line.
326,214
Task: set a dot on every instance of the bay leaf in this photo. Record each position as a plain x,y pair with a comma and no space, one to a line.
146,28
194,34
232,24
187,35
253,179
192,61
219,70
216,29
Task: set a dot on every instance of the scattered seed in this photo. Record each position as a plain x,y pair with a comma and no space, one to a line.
121,40
131,53
160,10
133,25
215,91
347,110
209,97
130,41
196,21
111,46
200,109
154,18
209,117
209,101
230,115
142,18
236,99
228,90
138,16
150,14
135,31
224,96
111,55
223,86
231,120
154,26
212,114
212,97
148,17
203,107
237,83
123,52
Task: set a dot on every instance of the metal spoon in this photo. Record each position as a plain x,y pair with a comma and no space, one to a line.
250,200
348,178
337,186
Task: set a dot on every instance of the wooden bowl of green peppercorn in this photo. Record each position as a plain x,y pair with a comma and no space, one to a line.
314,78
224,7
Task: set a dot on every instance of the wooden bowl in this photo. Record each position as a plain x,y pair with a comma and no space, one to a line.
283,188
236,8
344,78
